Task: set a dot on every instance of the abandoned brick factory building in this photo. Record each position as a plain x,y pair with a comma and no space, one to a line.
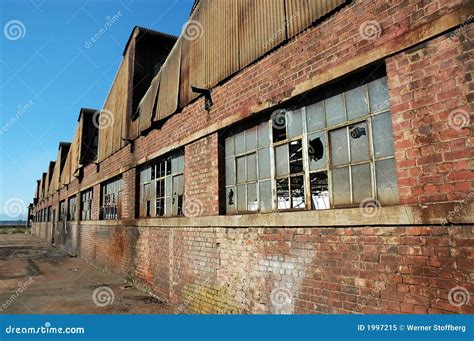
281,156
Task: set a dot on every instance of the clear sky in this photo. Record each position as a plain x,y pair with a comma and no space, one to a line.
49,69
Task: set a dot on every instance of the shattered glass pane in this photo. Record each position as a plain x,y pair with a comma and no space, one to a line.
316,151
319,191
283,194
279,123
230,200
297,191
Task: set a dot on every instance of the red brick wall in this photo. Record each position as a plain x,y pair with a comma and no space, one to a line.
201,177
429,90
320,270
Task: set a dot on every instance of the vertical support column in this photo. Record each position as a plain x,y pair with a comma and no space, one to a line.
127,194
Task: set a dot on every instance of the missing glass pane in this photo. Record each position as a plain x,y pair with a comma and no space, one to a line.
297,192
279,123
283,194
319,191
296,157
160,207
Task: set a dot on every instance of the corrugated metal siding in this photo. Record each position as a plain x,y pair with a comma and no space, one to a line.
221,42
302,13
169,85
131,129
261,28
147,104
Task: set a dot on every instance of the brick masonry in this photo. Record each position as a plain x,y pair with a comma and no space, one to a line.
316,269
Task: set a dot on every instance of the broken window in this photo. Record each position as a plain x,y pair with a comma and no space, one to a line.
332,153
71,209
161,189
86,204
110,207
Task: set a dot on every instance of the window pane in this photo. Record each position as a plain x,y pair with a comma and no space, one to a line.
229,172
264,163
297,191
361,183
281,160
359,140
229,146
378,94
319,191
356,102
338,146
252,167
180,164
160,207
160,188
265,188
383,137
263,135
168,186
241,176
178,185
252,197
334,110
295,123
340,186
296,157
315,117
251,139
386,175
239,143
241,198
316,151
230,199
283,194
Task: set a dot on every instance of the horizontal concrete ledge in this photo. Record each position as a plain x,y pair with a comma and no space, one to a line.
430,214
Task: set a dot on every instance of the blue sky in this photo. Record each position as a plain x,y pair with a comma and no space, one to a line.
48,72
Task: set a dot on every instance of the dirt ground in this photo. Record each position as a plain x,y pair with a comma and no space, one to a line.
38,278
